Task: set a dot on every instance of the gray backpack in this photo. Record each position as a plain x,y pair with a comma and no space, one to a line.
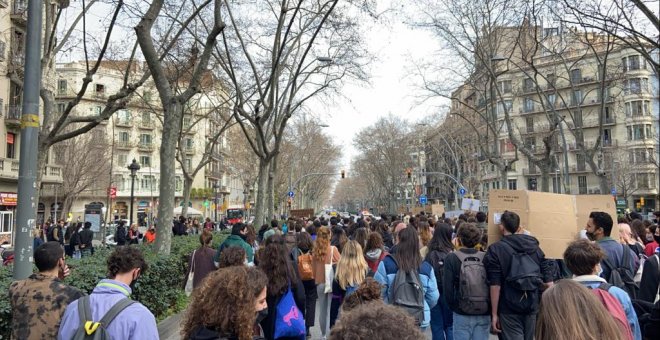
407,292
92,330
474,294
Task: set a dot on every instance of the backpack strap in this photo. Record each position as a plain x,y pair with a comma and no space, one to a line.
604,286
625,259
84,310
115,310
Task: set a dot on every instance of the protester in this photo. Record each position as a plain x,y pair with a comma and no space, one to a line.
37,238
236,239
583,259
425,236
282,278
375,320
38,302
351,271
150,235
374,251
133,234
569,311
322,254
134,321
74,243
385,233
439,247
227,306
652,247
232,256
201,259
120,234
514,302
649,286
86,237
339,237
361,235
407,263
367,291
303,261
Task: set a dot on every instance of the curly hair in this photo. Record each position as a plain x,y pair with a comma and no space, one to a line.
232,256
322,243
374,241
424,233
368,291
125,259
225,302
276,263
375,321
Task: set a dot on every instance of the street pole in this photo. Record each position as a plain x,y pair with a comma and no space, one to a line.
215,189
27,172
133,167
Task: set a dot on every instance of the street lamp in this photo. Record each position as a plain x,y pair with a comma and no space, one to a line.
134,167
215,190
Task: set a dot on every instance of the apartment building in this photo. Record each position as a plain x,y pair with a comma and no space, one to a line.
560,101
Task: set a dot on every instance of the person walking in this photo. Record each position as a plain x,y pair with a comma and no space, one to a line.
201,260
86,237
237,238
439,247
351,271
324,254
302,259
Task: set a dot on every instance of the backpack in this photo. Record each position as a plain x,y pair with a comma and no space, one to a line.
289,320
474,293
521,291
305,268
622,276
93,330
437,260
407,292
614,308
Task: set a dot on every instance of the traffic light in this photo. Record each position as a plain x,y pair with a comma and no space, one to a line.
343,174
409,173
641,201
288,202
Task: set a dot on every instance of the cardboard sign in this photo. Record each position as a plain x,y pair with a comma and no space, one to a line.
300,213
453,213
554,219
470,204
437,209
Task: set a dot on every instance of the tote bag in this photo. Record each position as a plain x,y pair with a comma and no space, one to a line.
189,284
289,320
329,273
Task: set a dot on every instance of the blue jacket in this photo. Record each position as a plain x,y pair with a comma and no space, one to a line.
387,272
134,322
593,281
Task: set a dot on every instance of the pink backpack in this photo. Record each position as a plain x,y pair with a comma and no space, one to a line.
615,309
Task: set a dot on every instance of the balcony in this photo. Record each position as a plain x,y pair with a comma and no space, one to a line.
13,116
146,125
146,147
531,171
123,123
19,12
579,168
52,174
214,173
124,145
189,149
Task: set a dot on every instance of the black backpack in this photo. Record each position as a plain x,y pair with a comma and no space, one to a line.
622,276
97,330
436,259
522,283
407,292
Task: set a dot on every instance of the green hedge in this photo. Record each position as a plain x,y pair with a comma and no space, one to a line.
160,289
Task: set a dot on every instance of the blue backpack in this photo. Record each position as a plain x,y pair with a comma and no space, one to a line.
289,320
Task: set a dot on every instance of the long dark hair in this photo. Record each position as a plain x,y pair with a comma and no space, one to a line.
407,253
441,240
277,265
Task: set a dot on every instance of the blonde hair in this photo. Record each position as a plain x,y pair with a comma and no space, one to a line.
352,267
569,311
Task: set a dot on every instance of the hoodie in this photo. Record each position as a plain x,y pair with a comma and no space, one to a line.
373,258
498,260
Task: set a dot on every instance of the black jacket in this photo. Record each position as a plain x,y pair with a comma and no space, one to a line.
268,324
498,259
86,237
451,278
648,287
120,236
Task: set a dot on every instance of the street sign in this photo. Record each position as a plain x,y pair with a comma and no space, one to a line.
462,191
422,200
613,191
291,194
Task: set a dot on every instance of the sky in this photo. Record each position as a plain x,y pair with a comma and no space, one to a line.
392,89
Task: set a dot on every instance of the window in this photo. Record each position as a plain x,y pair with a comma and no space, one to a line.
551,79
186,122
577,118
513,184
61,86
2,50
580,159
531,183
145,139
607,137
638,108
529,122
640,132
61,107
636,86
146,117
124,136
552,100
504,86
528,104
530,142
145,161
556,183
576,76
582,185
500,107
189,143
123,117
642,181
122,159
528,85
118,181
147,182
99,89
632,63
188,164
550,31
11,145
178,183
576,97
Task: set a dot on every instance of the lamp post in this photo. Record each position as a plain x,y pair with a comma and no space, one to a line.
215,190
134,167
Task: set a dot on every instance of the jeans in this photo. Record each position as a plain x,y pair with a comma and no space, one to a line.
441,321
471,327
310,303
324,306
517,326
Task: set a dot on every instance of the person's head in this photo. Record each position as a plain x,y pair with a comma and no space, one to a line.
361,236
424,233
274,224
625,233
352,267
468,235
374,241
509,222
481,217
49,257
88,225
583,257
567,309
239,229
317,224
367,291
274,261
126,264
655,231
321,243
304,241
441,240
599,225
228,301
638,230
232,256
205,238
407,252
182,219
134,226
463,217
333,221
397,229
250,234
635,216
375,320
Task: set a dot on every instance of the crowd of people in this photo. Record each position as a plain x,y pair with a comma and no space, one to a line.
396,277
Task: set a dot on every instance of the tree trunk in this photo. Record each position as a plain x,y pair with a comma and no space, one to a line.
272,171
187,187
545,179
604,184
260,201
167,187
504,177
